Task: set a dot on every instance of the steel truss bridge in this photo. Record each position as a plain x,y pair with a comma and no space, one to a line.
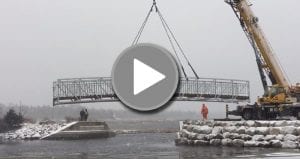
99,89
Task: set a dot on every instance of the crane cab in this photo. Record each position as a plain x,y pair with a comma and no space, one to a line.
274,95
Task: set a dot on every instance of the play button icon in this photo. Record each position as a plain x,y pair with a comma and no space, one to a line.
145,77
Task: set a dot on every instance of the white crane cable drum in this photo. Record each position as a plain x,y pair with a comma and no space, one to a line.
170,36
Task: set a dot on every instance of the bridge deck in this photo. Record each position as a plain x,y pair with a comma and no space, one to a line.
99,89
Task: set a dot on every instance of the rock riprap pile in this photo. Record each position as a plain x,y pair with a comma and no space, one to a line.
278,134
30,131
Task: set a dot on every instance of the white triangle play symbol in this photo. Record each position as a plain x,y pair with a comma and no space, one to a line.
144,76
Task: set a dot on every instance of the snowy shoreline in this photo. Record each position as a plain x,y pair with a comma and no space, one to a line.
30,131
278,134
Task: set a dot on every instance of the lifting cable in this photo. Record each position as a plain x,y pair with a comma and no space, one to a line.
137,38
170,36
177,43
172,44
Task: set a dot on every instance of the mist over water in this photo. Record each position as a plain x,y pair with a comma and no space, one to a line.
116,111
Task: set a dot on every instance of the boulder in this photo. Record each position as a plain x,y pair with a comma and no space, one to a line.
181,141
202,123
289,144
36,136
241,130
192,136
258,138
276,143
250,144
221,124
177,141
190,142
279,137
235,136
201,137
210,136
289,130
250,123
272,123
297,124
187,122
264,144
263,123
189,127
280,123
257,124
217,136
226,134
197,122
217,130
274,130
250,131
180,133
238,143
270,137
226,142
231,129
231,135
291,123
201,142
240,123
298,130
290,137
215,142
202,129
185,133
246,137
210,123
262,130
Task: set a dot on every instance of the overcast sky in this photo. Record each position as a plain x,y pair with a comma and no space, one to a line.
43,40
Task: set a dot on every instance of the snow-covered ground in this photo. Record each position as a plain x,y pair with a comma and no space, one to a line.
30,131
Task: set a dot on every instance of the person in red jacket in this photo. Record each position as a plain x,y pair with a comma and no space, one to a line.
204,111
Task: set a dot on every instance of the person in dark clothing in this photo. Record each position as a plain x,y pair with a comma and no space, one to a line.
86,115
82,115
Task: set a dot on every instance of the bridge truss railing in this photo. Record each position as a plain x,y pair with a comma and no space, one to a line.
99,89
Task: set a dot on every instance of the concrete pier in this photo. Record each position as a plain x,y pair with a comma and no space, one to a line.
81,130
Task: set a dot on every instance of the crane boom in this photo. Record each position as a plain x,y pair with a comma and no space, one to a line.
264,51
280,98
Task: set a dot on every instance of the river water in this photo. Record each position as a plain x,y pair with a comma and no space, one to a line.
131,146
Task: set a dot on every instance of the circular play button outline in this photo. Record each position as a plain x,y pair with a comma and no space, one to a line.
153,95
